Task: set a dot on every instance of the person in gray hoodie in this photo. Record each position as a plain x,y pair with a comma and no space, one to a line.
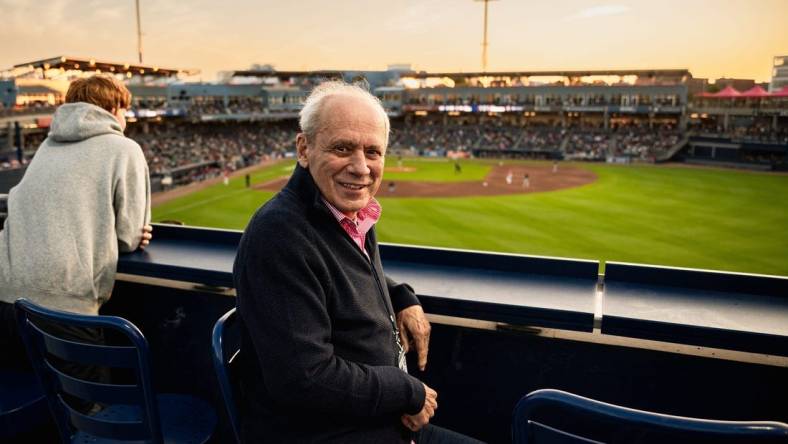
84,198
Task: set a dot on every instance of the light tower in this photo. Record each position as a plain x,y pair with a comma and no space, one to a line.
484,42
139,31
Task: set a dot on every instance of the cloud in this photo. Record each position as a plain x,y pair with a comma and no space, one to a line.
598,11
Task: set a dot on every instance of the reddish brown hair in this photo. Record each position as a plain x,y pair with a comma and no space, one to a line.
101,90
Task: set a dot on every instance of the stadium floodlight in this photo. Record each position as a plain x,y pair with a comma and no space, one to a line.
139,31
484,42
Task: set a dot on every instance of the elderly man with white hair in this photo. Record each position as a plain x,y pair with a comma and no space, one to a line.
324,330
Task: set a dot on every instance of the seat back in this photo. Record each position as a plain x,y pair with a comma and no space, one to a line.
553,416
226,344
51,353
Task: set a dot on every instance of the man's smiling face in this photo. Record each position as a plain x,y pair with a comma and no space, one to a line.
346,156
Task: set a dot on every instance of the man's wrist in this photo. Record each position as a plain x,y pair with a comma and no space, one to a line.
418,396
403,297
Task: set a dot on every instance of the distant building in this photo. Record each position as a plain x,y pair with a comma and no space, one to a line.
696,85
737,84
7,93
779,73
400,67
39,92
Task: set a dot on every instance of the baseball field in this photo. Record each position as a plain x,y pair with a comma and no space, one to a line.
666,215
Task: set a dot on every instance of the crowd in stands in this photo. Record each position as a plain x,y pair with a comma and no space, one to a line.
587,145
499,137
435,137
148,103
542,138
545,100
752,132
207,106
244,105
234,105
645,144
583,142
201,150
218,147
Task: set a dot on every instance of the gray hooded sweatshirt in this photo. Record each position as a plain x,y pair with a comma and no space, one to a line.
84,197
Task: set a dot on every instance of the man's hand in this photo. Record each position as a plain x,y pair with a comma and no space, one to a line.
415,328
147,235
419,420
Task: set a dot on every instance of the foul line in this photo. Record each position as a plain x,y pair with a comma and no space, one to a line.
203,202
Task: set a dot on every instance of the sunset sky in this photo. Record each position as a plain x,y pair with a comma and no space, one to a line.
722,38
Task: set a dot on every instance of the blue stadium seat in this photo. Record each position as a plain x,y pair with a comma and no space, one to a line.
129,411
23,405
226,345
553,416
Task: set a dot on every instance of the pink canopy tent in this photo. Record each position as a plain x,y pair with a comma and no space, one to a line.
755,92
727,93
781,93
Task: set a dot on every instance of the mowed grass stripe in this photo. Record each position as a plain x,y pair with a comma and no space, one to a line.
701,218
223,206
725,220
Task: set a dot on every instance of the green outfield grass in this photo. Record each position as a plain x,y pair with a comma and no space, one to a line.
687,217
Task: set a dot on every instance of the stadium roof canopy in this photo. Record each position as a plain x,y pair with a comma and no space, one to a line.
558,73
328,73
73,63
461,75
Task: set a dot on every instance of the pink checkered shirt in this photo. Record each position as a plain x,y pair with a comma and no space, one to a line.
365,220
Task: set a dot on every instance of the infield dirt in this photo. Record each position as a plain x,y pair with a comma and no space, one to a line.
540,178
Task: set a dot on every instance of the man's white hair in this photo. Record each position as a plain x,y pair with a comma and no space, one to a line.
310,115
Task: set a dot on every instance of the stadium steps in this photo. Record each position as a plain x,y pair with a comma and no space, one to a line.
516,144
612,147
478,141
674,149
565,142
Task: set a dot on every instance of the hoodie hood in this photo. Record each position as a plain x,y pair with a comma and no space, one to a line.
79,121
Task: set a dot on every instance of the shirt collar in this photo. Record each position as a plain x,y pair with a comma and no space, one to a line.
365,218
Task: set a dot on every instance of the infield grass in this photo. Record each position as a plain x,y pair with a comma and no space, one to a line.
664,215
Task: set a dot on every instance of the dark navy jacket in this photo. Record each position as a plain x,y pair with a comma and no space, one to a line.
318,350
